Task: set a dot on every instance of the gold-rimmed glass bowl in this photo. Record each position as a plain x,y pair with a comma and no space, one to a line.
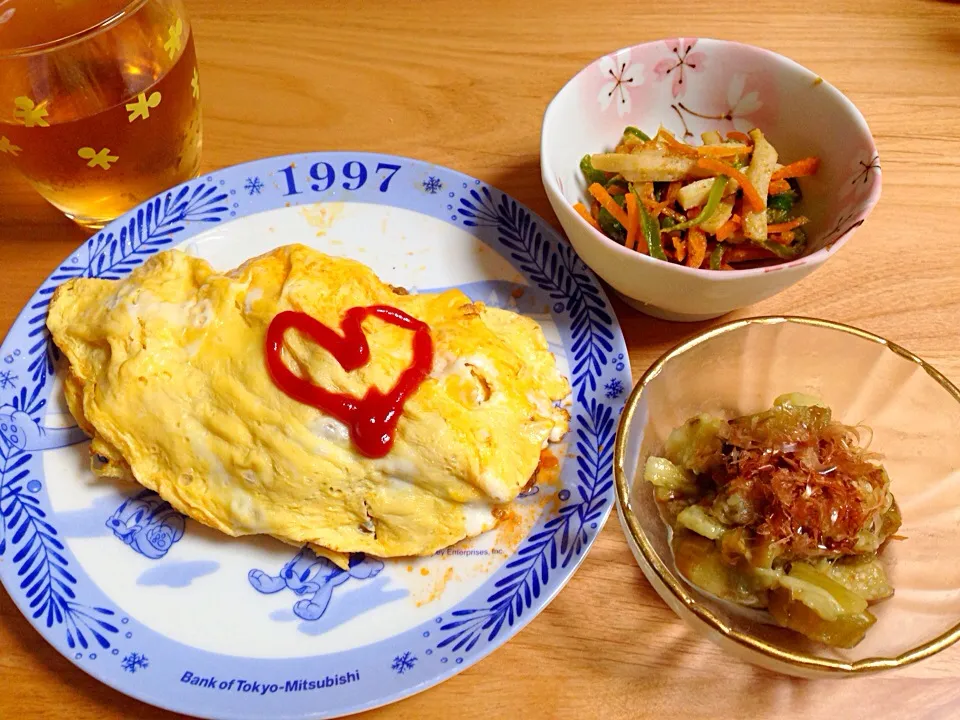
914,413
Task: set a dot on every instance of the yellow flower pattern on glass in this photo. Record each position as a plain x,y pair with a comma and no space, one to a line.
8,147
102,159
28,111
174,39
141,107
195,83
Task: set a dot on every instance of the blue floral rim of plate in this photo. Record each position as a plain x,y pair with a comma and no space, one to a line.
79,619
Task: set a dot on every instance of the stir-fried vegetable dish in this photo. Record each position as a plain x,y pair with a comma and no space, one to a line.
714,206
783,511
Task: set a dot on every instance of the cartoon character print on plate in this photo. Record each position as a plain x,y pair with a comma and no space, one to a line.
21,432
148,524
313,579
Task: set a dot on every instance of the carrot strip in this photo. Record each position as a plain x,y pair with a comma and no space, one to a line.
800,168
608,203
784,226
585,214
742,137
616,190
728,228
668,200
696,247
784,238
595,210
672,191
722,168
723,150
671,142
633,226
778,186
680,246
642,247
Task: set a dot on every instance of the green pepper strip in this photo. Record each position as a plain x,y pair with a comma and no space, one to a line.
716,257
615,179
651,232
590,173
650,226
713,202
785,252
631,130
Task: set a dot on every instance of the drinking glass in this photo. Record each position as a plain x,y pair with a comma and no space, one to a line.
99,101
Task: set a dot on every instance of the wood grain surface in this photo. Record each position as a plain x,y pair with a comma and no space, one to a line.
465,85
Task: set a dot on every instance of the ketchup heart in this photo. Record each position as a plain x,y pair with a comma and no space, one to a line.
373,418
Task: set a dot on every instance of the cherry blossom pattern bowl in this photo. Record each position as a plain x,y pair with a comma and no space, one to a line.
690,86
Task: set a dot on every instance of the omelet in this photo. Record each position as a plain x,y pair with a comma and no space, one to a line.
166,371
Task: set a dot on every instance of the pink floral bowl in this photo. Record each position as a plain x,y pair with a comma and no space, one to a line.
690,86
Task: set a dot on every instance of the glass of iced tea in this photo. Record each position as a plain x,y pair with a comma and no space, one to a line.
99,101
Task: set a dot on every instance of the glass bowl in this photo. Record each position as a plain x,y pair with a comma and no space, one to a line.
914,413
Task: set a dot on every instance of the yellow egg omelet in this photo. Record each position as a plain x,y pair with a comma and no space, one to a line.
166,371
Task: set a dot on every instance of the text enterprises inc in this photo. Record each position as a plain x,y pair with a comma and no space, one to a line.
265,688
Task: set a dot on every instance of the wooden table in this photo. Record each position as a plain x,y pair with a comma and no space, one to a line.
465,85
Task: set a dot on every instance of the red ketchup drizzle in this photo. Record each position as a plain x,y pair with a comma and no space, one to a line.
373,418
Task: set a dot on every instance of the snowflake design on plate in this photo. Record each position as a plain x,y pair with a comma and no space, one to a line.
404,663
253,186
614,389
8,380
135,661
432,185
622,76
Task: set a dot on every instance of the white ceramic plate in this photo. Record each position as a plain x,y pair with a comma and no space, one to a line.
168,611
